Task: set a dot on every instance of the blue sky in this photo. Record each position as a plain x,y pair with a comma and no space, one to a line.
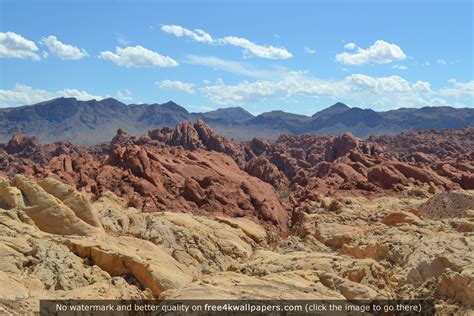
296,56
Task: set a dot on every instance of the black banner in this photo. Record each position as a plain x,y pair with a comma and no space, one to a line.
234,307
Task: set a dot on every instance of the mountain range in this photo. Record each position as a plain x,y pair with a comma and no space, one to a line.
91,122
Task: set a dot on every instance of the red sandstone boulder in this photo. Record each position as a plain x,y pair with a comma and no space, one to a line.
467,181
186,136
259,145
340,146
263,169
22,144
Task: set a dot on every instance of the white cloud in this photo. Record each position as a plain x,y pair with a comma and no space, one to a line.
179,31
380,52
23,95
138,56
234,67
250,48
459,90
63,51
350,46
243,92
357,82
13,45
422,86
441,62
126,95
376,92
309,50
399,67
176,84
247,92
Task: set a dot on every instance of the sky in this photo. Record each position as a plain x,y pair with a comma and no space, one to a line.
295,56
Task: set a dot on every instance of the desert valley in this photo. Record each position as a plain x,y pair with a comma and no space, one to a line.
183,213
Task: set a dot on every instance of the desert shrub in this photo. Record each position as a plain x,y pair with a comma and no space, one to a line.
432,189
334,206
283,194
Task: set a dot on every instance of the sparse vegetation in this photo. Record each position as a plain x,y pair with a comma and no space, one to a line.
334,206
432,189
284,194
417,192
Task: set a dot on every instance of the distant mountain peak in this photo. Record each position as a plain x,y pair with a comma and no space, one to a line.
235,114
57,100
173,106
110,102
339,105
170,104
110,99
231,108
273,112
235,109
336,108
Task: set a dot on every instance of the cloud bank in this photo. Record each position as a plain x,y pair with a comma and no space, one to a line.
23,94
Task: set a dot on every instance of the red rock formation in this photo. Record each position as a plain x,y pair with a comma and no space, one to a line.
198,136
22,144
467,181
186,136
263,169
347,164
122,138
191,169
259,145
212,141
340,146
162,178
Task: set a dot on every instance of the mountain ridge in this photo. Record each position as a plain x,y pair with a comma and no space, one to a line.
93,121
